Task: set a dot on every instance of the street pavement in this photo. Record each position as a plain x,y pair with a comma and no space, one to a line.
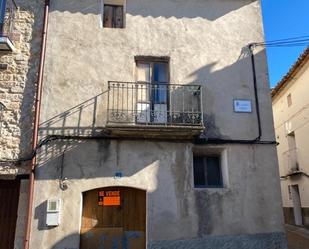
298,237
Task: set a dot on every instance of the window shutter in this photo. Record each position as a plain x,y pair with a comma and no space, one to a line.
119,17
108,16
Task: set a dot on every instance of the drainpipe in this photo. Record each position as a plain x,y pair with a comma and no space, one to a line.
256,140
36,124
257,104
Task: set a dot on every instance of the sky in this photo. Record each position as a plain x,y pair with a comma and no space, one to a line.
284,19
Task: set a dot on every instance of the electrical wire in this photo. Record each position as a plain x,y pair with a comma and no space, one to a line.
293,174
287,42
288,39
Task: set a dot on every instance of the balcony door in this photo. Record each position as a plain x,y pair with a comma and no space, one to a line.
152,95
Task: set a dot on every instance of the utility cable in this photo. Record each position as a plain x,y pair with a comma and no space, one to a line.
288,42
276,43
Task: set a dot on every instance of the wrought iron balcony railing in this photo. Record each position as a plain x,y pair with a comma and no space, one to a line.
7,15
152,104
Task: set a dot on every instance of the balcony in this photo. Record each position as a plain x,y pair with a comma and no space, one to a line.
7,13
291,159
155,110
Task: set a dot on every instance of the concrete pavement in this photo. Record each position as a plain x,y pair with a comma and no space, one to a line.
298,237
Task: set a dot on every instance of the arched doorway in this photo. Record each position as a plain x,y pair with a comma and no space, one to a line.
114,218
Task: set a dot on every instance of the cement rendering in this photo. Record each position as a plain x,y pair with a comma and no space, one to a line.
206,42
164,170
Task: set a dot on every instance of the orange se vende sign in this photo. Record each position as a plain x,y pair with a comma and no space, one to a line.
109,198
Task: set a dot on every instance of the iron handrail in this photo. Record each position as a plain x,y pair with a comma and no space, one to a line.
154,103
149,83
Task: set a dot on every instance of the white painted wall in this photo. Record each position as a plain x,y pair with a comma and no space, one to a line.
295,118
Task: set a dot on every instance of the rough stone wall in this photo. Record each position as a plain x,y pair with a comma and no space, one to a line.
18,83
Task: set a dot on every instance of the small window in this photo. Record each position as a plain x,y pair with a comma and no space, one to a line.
113,16
207,172
289,99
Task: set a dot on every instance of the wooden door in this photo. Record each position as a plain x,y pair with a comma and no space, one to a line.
114,218
9,196
297,209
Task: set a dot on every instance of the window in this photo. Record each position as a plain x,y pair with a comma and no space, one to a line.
152,96
289,100
113,16
207,172
156,74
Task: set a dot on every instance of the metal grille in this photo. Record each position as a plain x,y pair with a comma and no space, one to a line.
140,103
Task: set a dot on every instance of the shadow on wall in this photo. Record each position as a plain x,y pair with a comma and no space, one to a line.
71,122
23,68
73,159
101,159
220,87
159,8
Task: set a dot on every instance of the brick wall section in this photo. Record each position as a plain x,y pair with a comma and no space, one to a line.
18,84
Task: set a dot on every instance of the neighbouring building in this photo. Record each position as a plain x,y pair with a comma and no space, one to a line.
156,128
20,45
291,113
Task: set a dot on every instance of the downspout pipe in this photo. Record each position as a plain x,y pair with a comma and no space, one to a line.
36,124
256,140
257,104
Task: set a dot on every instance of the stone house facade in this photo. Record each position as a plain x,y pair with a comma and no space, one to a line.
156,128
290,107
20,44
